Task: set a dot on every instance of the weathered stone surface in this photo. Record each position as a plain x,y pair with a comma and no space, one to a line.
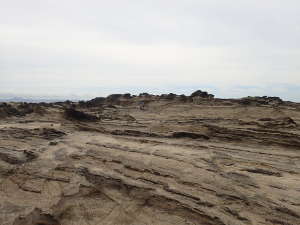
218,162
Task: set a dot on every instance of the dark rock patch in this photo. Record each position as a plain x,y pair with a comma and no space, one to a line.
134,133
263,172
73,114
182,134
256,101
202,94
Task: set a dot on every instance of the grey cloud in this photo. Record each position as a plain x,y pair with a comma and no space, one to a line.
159,43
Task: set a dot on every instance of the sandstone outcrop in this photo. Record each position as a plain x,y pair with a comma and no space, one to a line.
218,162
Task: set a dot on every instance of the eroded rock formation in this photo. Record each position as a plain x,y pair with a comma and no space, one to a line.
217,162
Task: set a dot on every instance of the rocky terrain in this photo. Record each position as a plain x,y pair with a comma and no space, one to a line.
151,160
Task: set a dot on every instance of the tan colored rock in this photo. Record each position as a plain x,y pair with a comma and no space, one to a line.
213,163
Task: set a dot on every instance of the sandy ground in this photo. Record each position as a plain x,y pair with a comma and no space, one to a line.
172,163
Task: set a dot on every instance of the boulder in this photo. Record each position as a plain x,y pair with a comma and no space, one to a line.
202,94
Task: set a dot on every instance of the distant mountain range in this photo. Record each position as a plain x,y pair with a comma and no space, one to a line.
32,100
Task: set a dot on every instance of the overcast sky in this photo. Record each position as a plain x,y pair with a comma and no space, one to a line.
88,48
